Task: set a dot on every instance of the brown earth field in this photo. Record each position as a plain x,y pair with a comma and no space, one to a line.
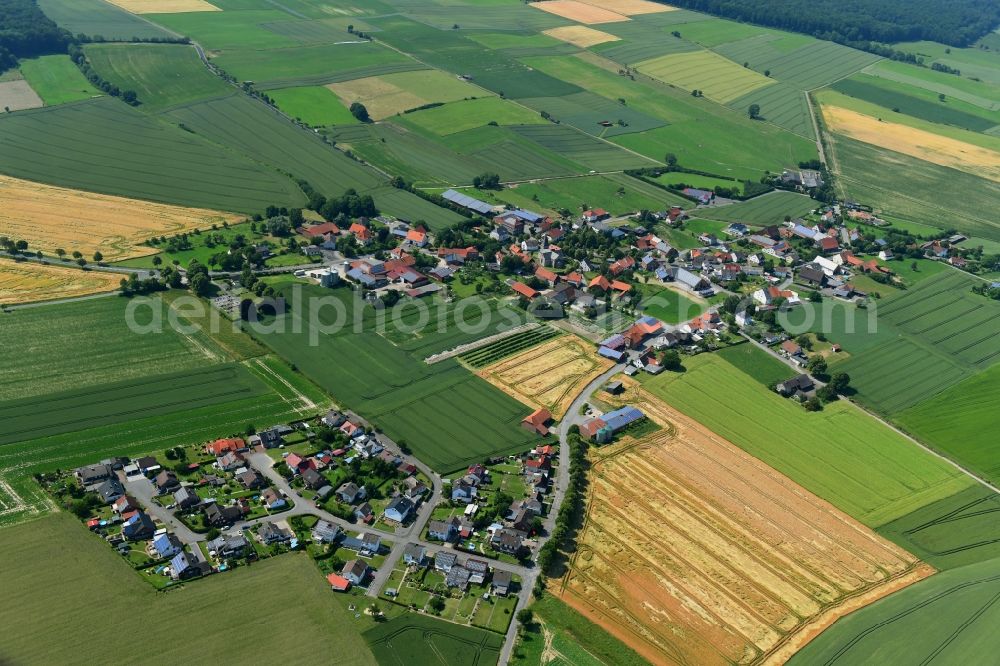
580,35
580,12
631,7
50,218
24,282
549,375
165,6
694,552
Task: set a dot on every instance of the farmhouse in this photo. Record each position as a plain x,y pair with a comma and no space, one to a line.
604,428
798,385
538,421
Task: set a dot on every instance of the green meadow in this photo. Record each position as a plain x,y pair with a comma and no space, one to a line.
57,80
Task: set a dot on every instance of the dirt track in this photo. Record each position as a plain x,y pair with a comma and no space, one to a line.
695,552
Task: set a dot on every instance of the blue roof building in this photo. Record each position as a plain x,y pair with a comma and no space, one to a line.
613,354
620,418
467,202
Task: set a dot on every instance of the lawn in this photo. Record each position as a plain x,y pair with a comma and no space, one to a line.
127,153
313,105
945,618
420,639
161,75
667,305
447,415
961,422
80,571
56,79
757,363
840,454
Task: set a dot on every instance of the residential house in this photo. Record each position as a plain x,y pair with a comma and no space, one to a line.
184,566
272,500
350,492
164,546
595,215
399,510
798,386
312,479
767,295
443,530
457,576
507,541
186,498
501,583
415,555
218,516
228,545
125,504
221,447
812,275
326,532
140,526
251,480
92,475
166,482
444,560
356,571
147,465
270,533
364,513
462,491
110,490
478,570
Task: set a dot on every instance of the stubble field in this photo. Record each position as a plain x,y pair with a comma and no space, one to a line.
29,282
692,551
50,218
550,375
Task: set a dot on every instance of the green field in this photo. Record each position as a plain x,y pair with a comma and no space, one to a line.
781,104
915,190
841,454
619,194
468,114
256,131
587,111
764,210
99,18
56,572
56,79
720,79
118,402
408,206
42,346
960,421
810,66
667,305
952,532
757,363
974,92
446,415
908,99
947,334
592,153
304,65
421,639
571,639
313,105
947,619
162,75
127,153
227,30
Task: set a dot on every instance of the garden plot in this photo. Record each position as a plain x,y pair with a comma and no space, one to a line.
548,376
692,551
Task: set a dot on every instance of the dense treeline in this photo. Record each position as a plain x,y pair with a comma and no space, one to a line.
955,22
25,32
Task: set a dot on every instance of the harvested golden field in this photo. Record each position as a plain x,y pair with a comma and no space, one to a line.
694,552
549,375
580,35
24,282
924,145
389,94
165,6
631,7
580,12
50,218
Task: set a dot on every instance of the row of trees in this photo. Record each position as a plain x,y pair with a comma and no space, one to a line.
78,57
955,22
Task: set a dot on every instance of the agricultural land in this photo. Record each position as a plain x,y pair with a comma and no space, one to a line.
788,567
27,283
548,376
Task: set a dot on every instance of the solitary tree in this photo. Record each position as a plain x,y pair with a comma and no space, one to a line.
98,256
359,111
754,111
61,252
